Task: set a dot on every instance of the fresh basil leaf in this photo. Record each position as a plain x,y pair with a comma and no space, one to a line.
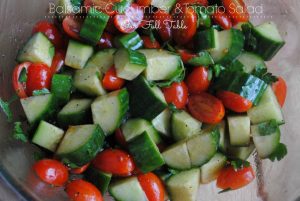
121,7
152,37
173,108
225,190
18,132
5,106
98,74
202,59
40,92
263,74
168,83
239,164
23,76
172,171
268,128
280,152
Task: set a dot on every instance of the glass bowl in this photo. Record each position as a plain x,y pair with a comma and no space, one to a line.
279,181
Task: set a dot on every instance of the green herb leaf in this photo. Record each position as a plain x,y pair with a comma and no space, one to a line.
172,171
5,106
38,155
168,83
267,128
166,45
98,74
18,132
263,74
40,92
239,164
23,76
202,59
225,190
280,152
173,108
121,6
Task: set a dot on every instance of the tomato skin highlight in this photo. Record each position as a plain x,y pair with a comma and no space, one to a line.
206,108
111,81
198,81
80,170
237,10
114,161
163,19
130,20
230,178
106,41
58,61
20,88
80,190
222,19
50,31
152,186
188,17
280,90
51,171
150,44
38,77
176,94
72,25
234,101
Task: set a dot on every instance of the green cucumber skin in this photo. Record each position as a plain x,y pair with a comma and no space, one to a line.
129,41
246,85
124,99
100,179
267,49
145,153
147,107
83,117
236,47
93,26
87,152
205,40
137,58
61,87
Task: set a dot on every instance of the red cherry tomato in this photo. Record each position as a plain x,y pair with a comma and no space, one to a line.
106,41
234,101
72,26
148,43
51,171
185,55
192,2
222,19
105,6
198,80
176,94
206,108
38,77
144,2
111,81
237,10
152,186
80,170
80,190
119,137
114,161
163,19
20,88
58,61
50,31
188,19
235,179
130,20
280,90
110,27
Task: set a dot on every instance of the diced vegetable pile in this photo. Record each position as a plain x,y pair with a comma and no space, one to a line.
147,102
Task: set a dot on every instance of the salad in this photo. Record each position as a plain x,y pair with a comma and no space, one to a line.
147,99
